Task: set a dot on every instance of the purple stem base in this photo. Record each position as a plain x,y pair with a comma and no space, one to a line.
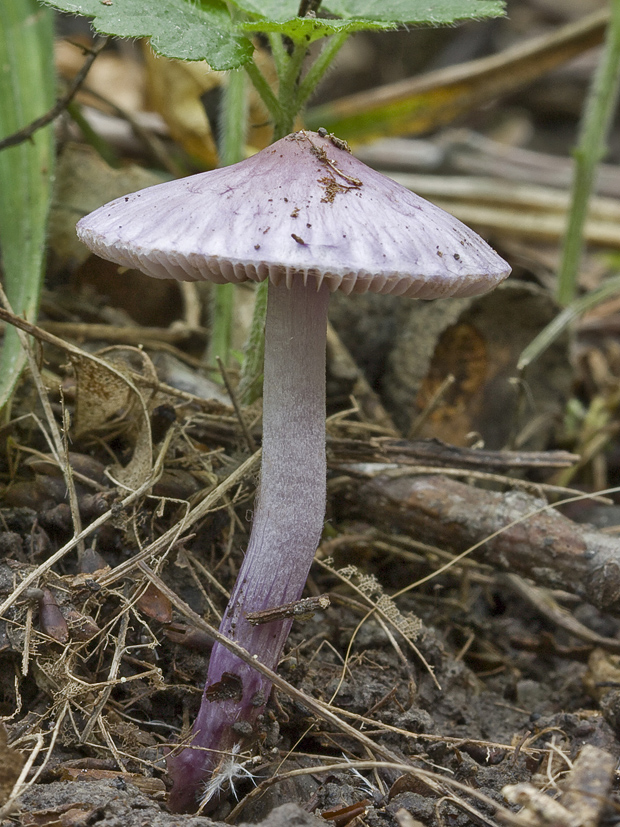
287,526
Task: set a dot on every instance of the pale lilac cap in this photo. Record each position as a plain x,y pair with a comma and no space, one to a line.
303,208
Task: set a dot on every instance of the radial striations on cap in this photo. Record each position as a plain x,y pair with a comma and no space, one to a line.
304,208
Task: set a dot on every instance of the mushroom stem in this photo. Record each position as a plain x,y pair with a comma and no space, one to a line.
287,526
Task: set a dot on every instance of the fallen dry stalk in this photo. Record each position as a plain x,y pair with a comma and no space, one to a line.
441,455
511,531
514,208
442,95
138,335
546,226
396,471
544,603
508,194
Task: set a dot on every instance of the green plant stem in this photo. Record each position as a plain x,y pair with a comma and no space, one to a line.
292,95
233,119
289,84
316,72
231,150
92,137
261,84
278,51
590,149
250,386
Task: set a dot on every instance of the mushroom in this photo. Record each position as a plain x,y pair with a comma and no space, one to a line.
311,218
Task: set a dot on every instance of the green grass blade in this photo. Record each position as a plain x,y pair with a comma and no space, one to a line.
27,90
557,326
596,122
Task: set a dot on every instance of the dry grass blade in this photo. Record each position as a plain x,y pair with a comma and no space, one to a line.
102,378
408,626
58,442
316,707
21,784
168,538
51,561
475,153
546,226
436,782
542,600
112,675
530,198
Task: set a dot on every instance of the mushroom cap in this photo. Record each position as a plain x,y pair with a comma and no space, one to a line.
303,208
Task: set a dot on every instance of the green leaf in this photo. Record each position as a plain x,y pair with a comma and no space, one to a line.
395,12
275,10
177,28
312,29
281,16
412,12
27,91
